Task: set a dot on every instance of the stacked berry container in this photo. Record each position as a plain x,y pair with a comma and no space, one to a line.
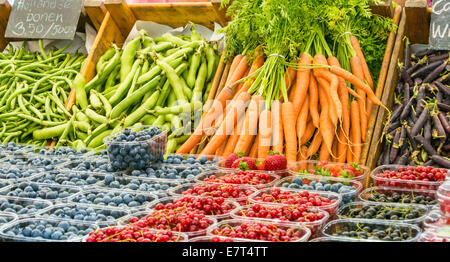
136,147
257,179
399,195
410,177
127,234
443,194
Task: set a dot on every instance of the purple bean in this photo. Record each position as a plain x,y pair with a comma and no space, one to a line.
444,122
442,88
420,122
441,161
426,145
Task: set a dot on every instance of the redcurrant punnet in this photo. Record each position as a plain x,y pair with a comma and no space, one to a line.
133,234
404,177
241,177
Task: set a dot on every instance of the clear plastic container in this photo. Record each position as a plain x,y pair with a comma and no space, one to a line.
29,206
56,211
443,195
280,173
121,198
436,235
67,177
304,232
340,239
401,183
32,160
435,219
307,179
4,183
157,187
220,173
126,221
6,217
16,174
308,166
313,226
87,165
63,192
166,172
331,209
181,237
222,239
154,148
246,189
16,149
184,159
420,209
359,224
427,197
230,204
10,232
62,151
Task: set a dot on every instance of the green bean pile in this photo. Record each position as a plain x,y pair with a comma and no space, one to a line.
33,89
149,82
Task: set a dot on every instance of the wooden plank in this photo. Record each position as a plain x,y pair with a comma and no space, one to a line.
107,35
418,20
221,13
177,14
5,9
380,87
385,9
122,15
388,96
96,12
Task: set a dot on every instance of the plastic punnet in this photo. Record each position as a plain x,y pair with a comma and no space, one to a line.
359,224
304,232
16,174
155,147
280,173
32,160
441,234
342,212
402,183
181,190
307,167
222,239
106,197
347,197
68,177
115,213
35,205
367,195
6,217
7,231
330,209
230,203
67,191
165,170
142,214
443,194
224,172
181,237
313,226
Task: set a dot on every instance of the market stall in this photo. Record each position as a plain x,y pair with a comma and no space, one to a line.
227,121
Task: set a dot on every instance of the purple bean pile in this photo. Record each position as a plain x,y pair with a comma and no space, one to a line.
418,130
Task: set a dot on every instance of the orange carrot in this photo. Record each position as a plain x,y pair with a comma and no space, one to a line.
221,148
233,139
314,102
289,118
345,124
239,72
357,71
324,85
289,77
250,127
302,120
302,154
360,55
257,63
324,154
254,150
326,127
356,131
302,83
236,61
233,115
309,132
277,126
357,83
265,133
216,82
334,149
315,144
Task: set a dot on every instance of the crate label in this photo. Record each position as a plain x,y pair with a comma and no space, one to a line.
439,26
44,19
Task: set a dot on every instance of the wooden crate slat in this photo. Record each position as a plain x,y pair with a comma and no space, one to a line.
385,9
418,20
122,15
96,12
5,10
380,87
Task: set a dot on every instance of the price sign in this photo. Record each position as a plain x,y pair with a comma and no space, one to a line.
439,26
44,19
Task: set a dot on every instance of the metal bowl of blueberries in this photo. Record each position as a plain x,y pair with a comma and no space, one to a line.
136,147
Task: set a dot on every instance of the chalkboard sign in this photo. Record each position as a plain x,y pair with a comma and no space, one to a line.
439,26
44,19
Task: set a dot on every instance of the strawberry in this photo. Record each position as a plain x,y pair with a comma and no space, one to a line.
244,163
275,162
230,160
261,166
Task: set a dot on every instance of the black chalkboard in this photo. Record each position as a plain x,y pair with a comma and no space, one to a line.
44,19
439,26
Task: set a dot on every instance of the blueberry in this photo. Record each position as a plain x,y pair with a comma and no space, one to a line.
297,181
56,235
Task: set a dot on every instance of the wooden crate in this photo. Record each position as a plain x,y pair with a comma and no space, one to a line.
95,15
415,26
